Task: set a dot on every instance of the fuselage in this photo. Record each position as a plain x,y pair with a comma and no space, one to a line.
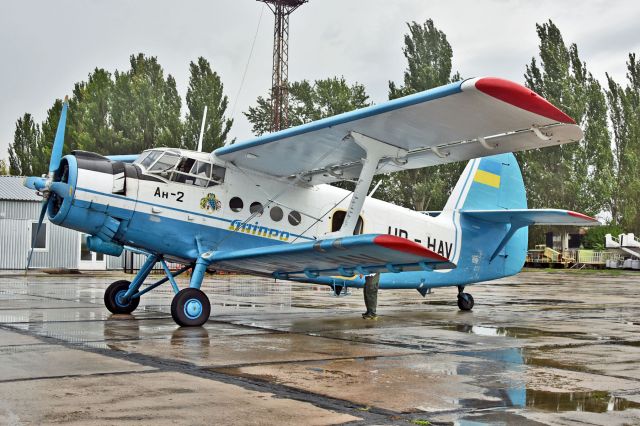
201,204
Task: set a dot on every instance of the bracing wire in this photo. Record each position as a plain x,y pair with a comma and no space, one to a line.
246,67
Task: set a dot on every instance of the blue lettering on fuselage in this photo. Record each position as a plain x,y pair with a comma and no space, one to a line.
259,230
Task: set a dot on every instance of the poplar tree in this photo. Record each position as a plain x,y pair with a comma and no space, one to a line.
574,176
145,107
90,123
206,88
309,102
4,170
25,143
624,113
429,64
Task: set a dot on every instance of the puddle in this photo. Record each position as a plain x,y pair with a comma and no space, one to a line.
520,396
516,332
592,402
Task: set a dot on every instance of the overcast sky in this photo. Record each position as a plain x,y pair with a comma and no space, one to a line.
46,46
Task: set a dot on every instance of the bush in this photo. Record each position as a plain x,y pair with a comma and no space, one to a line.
594,238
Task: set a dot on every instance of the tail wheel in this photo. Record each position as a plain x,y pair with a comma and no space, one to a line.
465,301
190,307
114,298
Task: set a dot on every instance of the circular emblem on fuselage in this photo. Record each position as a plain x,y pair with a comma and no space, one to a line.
210,203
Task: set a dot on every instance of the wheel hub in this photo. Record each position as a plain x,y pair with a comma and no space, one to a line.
193,308
120,298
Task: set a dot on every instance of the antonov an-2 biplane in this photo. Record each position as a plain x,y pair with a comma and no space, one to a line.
264,206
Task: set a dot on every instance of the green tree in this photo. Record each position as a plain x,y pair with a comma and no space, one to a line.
576,176
206,89
429,57
4,169
24,146
48,134
624,113
145,107
309,102
90,126
595,237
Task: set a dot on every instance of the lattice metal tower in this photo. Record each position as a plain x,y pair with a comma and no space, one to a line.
281,9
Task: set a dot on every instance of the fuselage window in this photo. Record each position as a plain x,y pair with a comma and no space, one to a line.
236,204
294,218
276,214
256,207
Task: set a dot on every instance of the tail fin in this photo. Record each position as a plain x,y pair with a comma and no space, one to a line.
489,183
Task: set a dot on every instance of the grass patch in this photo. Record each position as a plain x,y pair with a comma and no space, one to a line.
421,422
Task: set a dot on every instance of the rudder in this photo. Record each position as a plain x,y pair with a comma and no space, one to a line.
493,183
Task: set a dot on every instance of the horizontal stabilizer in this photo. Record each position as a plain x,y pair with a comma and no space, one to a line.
358,254
526,217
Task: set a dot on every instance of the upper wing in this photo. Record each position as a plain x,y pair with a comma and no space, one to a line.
456,122
363,254
533,217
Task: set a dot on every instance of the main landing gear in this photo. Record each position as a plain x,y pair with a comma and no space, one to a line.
190,306
465,300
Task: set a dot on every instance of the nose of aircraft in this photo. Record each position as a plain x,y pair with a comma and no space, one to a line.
52,187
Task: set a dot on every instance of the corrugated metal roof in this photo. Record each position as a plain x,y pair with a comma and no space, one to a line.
11,188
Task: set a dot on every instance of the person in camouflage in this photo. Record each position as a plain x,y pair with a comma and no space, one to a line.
371,286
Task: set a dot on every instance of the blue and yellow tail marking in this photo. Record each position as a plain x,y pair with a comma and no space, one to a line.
488,173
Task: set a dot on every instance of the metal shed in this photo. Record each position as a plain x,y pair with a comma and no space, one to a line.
56,247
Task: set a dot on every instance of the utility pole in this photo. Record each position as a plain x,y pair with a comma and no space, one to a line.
281,9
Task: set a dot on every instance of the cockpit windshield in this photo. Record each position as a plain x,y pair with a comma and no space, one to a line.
165,163
175,167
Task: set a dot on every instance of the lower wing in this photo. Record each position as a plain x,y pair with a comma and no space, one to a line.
358,254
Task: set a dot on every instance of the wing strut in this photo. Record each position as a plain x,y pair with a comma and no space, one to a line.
376,150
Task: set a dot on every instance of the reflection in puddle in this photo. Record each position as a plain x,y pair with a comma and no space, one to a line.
516,332
593,402
516,394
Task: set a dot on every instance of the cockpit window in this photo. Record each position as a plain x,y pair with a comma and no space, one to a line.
165,163
149,158
198,172
172,165
142,157
218,174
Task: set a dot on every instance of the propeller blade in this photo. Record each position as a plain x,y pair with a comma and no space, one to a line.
43,211
60,188
35,182
58,143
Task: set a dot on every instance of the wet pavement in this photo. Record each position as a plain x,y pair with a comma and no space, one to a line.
539,348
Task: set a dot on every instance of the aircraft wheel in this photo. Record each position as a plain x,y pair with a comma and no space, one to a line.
113,298
190,307
465,301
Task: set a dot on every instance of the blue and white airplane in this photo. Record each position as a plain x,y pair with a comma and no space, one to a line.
264,206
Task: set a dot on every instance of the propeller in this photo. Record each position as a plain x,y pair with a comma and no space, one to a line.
46,185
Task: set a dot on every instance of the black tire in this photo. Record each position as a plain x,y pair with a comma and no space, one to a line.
465,301
114,304
190,307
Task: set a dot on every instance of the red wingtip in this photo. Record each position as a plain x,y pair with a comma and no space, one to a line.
582,216
521,97
402,244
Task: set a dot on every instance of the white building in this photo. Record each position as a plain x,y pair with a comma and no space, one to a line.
55,247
